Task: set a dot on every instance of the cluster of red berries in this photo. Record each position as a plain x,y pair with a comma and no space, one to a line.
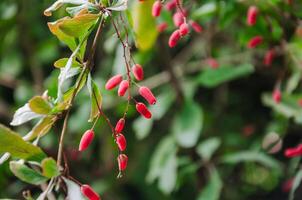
120,139
252,15
179,19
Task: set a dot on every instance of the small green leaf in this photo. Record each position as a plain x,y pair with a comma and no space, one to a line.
252,156
168,177
206,148
12,143
63,61
187,125
70,26
214,77
213,189
39,105
50,168
96,98
26,174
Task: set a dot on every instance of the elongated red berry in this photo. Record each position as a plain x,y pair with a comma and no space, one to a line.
88,192
196,27
147,94
156,8
138,72
184,29
178,19
143,110
121,142
124,85
255,41
162,27
86,140
293,152
170,5
213,63
252,15
113,82
175,36
269,57
120,125
277,95
122,160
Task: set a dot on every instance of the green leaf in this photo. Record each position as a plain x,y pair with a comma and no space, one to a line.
144,25
12,143
296,184
96,98
213,188
140,132
39,105
164,102
26,174
50,168
63,61
293,82
23,115
70,26
207,148
187,125
252,156
120,5
41,128
59,3
168,176
214,77
160,157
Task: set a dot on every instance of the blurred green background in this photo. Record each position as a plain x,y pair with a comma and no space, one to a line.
215,133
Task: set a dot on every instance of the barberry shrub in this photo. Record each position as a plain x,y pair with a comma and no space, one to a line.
211,89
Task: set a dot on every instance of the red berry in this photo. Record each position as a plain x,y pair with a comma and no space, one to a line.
175,36
156,8
147,94
255,41
269,57
121,142
178,19
86,140
138,72
88,192
300,102
287,185
277,96
213,63
143,110
124,85
171,5
252,15
196,27
122,162
113,82
293,152
120,125
184,29
162,27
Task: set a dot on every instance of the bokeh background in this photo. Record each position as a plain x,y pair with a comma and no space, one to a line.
215,133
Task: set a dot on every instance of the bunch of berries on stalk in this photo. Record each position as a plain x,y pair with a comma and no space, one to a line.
179,19
124,86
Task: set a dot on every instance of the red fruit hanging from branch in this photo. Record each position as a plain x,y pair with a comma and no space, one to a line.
122,160
86,140
147,94
88,192
143,110
113,82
